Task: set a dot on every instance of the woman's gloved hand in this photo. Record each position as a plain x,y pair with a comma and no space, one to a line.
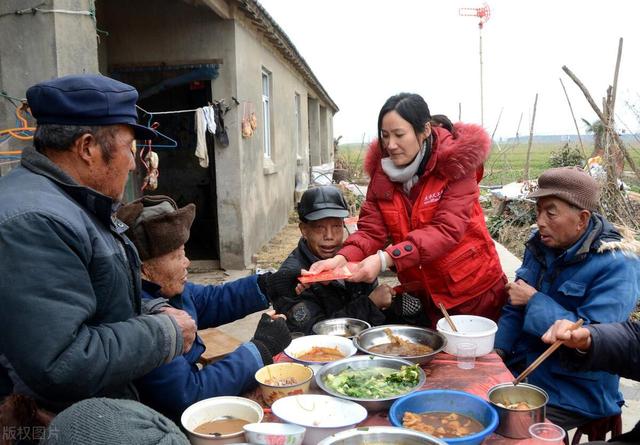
271,336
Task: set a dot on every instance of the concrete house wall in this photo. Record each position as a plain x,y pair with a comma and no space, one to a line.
38,47
254,194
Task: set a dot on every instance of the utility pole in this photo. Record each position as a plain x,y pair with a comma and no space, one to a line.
483,13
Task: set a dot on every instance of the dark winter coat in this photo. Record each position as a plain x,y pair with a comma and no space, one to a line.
597,279
70,293
615,348
171,388
319,302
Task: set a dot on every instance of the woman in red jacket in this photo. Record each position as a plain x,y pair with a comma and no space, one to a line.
422,216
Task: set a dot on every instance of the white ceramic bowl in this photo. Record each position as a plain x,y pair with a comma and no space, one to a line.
480,331
269,433
321,415
209,409
301,345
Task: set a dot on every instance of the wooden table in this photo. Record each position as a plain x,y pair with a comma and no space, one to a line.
443,373
218,345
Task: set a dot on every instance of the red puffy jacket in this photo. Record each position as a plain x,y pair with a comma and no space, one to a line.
438,234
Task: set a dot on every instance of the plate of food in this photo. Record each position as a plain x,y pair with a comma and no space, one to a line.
320,349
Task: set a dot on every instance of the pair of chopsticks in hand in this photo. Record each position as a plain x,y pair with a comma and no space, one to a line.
545,354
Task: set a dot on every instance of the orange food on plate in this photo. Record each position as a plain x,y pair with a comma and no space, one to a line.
321,354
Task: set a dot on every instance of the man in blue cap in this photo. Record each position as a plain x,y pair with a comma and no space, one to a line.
73,325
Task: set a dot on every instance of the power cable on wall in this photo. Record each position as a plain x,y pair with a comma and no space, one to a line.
37,9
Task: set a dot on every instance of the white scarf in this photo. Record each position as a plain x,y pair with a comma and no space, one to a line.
407,174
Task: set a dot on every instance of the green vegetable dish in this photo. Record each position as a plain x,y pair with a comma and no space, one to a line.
374,383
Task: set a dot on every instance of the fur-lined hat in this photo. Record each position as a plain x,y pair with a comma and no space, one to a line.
156,225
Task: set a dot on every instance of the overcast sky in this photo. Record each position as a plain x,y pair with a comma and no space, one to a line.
364,51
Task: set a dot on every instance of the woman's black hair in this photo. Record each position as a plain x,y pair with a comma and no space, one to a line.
411,107
440,120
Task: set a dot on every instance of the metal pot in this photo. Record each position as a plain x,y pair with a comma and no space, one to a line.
344,327
378,335
515,423
384,435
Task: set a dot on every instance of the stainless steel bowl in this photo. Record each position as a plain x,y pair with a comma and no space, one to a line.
344,327
377,336
362,362
381,435
516,423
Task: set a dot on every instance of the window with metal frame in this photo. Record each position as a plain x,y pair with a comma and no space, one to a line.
266,112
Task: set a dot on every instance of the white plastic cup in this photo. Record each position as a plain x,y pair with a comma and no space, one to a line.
546,434
466,354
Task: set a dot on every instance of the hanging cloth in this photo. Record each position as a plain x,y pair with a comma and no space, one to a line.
221,131
201,139
209,117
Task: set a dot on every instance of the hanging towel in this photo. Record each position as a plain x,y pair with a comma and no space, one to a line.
210,119
201,145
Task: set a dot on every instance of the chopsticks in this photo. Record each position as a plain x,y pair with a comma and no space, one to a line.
545,354
446,315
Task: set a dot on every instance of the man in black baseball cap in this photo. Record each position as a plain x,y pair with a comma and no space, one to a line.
322,202
84,334
321,211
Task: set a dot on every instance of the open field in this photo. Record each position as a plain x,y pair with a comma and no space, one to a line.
505,163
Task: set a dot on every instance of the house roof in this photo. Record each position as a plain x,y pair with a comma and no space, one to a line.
259,16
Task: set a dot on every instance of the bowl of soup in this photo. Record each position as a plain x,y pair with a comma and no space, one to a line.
283,379
418,345
319,349
343,327
456,417
373,382
220,420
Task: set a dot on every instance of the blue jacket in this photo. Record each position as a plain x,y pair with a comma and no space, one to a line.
70,293
171,388
597,279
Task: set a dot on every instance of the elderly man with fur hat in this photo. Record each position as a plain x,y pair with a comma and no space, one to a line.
576,265
159,230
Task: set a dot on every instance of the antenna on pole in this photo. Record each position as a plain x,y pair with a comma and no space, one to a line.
483,13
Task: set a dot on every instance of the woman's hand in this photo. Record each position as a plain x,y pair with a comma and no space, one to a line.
322,265
367,270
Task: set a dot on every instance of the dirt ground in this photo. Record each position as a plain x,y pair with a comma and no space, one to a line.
280,246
